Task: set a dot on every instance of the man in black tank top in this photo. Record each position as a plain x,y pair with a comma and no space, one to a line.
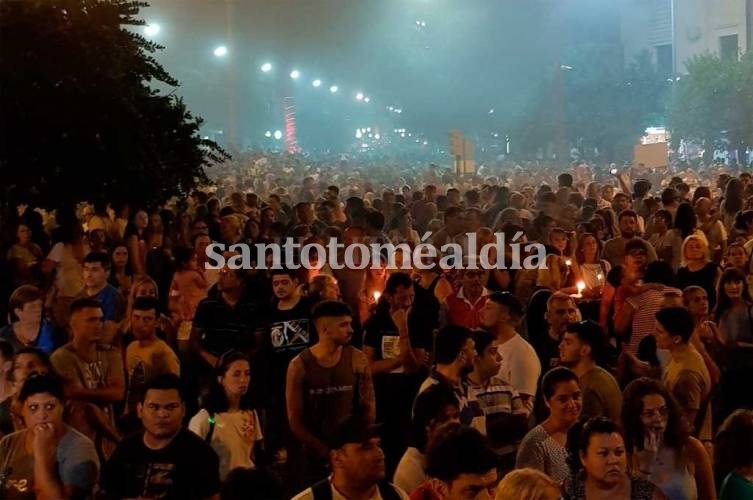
325,383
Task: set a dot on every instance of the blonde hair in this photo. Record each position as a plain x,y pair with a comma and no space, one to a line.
528,484
701,240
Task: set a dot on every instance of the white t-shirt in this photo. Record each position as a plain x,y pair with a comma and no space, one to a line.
411,470
69,275
308,494
233,437
520,366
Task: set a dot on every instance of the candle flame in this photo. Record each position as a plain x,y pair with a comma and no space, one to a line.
376,296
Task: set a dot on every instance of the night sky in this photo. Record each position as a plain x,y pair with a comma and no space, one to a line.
472,56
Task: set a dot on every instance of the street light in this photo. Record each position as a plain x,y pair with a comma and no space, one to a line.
266,67
359,96
151,29
220,51
366,99
268,134
295,74
317,83
333,89
278,135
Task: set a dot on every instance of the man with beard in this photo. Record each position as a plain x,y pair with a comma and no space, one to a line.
357,464
614,249
581,348
561,310
397,351
454,353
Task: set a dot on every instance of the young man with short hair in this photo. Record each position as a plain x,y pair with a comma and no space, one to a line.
96,271
147,356
92,372
326,382
686,375
167,460
463,464
506,419
397,355
455,353
357,464
582,347
520,366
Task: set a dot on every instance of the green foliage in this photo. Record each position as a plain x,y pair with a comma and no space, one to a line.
713,104
79,116
594,104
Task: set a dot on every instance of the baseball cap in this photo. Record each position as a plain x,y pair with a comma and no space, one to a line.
352,429
508,300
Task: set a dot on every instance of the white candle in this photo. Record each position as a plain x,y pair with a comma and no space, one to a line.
581,286
376,296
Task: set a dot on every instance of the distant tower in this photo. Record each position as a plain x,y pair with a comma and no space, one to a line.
291,143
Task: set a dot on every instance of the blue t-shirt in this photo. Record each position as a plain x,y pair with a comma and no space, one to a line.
47,339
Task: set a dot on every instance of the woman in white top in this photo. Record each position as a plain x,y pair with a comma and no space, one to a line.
65,259
227,420
588,267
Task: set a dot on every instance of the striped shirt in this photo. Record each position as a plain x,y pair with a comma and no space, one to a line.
645,306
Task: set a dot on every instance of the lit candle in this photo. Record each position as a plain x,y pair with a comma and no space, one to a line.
376,296
599,277
581,286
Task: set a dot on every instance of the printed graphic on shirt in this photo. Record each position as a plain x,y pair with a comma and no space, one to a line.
290,334
158,480
391,349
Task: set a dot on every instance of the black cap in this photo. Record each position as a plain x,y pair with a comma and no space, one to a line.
352,429
508,300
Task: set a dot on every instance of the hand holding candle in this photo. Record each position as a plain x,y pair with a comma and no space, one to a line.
376,296
581,286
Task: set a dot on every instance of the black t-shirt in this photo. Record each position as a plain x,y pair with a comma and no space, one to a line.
381,334
288,333
227,327
185,469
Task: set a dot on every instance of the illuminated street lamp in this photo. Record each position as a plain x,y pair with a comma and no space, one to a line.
333,89
295,74
151,29
266,67
268,134
366,99
220,51
278,135
359,96
317,83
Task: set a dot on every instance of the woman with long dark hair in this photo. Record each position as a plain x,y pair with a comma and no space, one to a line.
599,466
659,446
732,202
227,419
734,317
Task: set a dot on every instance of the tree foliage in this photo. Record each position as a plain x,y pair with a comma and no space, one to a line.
80,118
594,104
713,104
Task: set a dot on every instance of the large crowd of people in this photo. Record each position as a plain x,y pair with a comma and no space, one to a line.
131,367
